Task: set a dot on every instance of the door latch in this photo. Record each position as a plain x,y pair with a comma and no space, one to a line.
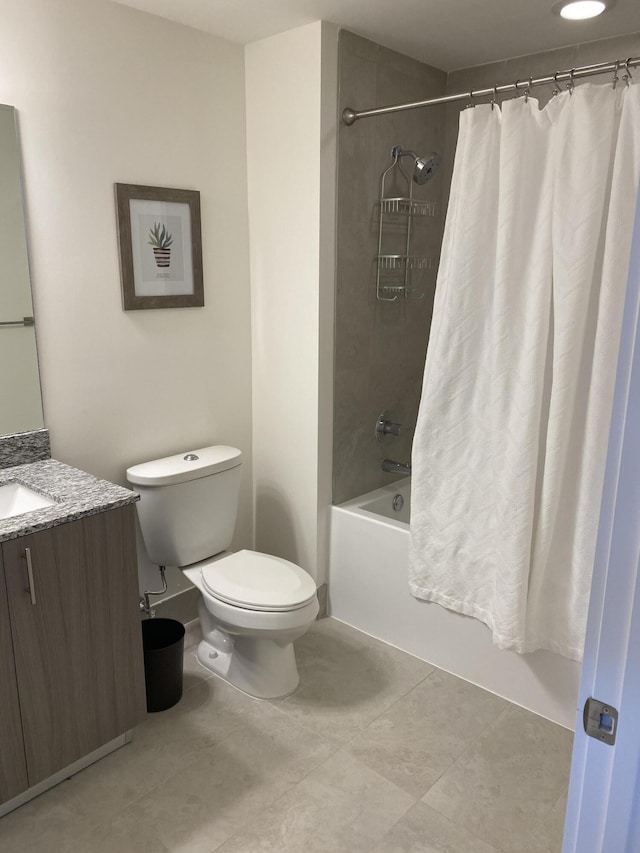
600,720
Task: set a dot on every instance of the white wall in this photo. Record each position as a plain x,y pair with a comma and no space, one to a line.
107,94
291,124
327,286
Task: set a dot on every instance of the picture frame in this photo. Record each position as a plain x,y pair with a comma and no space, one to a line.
160,245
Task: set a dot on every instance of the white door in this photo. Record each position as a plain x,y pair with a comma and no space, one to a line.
603,814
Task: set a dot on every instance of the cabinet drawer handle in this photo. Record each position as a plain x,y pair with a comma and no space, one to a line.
32,586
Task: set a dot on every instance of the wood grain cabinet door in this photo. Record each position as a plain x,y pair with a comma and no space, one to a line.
77,649
13,766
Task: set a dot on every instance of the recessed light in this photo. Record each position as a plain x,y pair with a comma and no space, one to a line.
580,10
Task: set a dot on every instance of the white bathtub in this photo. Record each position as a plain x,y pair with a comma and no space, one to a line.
368,588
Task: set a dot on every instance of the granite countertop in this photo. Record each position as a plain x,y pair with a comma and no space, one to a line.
77,494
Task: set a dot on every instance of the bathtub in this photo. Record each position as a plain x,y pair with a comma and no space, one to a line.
368,589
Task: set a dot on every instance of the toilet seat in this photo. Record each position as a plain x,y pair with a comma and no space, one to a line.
255,581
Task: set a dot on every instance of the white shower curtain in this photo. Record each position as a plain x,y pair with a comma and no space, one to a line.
510,443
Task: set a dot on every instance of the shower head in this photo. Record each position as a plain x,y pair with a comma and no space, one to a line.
424,168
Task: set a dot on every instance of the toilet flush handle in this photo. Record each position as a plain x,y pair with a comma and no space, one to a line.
191,457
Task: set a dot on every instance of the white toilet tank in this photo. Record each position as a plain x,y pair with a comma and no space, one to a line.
188,503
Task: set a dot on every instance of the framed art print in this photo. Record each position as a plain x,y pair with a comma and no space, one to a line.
160,241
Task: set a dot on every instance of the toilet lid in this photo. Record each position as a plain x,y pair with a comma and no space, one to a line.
258,582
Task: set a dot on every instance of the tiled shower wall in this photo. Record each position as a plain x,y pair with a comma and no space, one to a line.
534,65
380,347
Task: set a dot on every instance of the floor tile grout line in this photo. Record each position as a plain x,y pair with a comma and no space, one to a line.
384,710
541,823
244,716
505,712
283,794
376,843
492,847
471,745
335,748
166,779
96,826
462,826
391,705
343,747
409,690
464,749
340,748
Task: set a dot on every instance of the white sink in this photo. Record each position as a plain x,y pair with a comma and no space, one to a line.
16,499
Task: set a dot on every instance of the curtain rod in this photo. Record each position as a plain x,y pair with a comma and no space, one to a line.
349,115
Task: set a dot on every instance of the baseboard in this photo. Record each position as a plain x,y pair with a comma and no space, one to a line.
182,606
192,634
322,601
65,773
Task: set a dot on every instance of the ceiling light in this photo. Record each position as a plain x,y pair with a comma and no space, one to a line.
579,10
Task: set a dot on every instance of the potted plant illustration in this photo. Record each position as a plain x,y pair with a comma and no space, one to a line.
160,239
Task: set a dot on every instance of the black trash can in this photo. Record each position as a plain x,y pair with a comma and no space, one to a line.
163,646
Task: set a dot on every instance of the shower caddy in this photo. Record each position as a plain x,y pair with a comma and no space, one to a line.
393,278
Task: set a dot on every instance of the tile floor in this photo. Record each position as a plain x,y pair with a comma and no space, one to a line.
376,751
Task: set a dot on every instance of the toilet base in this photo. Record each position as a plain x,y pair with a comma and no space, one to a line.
261,668
251,649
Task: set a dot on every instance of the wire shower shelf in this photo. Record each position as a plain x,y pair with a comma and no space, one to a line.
393,274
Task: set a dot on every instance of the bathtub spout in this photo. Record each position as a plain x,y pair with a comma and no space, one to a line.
391,467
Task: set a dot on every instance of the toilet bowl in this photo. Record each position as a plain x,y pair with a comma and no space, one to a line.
252,606
248,640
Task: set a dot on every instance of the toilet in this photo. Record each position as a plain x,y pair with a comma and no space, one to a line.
252,606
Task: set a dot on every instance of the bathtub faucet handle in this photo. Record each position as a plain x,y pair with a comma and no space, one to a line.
386,426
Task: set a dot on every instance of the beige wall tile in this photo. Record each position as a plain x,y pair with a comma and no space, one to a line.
387,340
523,67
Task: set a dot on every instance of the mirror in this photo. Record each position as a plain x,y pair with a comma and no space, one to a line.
21,408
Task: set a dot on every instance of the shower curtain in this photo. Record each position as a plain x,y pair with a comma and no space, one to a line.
509,449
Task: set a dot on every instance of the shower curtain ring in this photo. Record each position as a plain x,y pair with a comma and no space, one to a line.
615,73
495,95
627,76
556,85
527,90
470,104
571,84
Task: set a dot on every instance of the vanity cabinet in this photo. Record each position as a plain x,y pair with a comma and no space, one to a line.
13,766
70,645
